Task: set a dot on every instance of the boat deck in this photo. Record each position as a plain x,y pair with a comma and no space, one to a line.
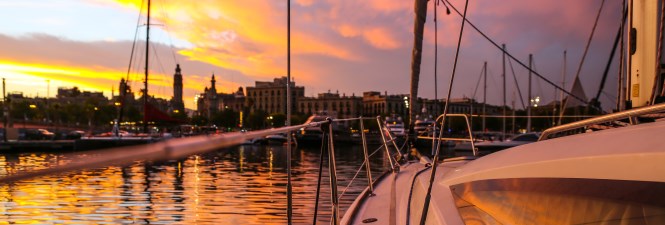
391,199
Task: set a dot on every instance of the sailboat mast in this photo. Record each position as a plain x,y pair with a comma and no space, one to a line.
528,108
563,85
484,92
145,82
503,126
622,60
416,56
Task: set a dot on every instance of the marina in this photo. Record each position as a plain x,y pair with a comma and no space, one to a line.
281,152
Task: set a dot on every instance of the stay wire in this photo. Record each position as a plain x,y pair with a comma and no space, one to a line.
318,182
169,36
428,196
540,86
357,172
513,57
586,50
475,90
136,33
517,85
161,66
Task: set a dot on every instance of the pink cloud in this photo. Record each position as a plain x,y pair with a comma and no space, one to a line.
381,38
305,2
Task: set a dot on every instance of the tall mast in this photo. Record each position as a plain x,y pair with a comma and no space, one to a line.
416,55
622,61
484,92
528,108
6,109
563,85
503,127
289,186
145,82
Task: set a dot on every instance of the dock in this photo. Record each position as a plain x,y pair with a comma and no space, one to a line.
36,145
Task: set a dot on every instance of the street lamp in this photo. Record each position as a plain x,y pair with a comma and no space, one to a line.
269,118
535,101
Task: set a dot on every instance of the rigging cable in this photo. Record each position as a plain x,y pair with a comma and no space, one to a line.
477,84
660,54
436,45
356,175
609,63
621,62
169,36
136,33
586,50
318,182
511,56
659,57
517,85
540,87
123,95
161,68
435,162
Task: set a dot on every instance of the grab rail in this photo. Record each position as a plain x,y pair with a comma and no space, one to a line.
468,127
628,114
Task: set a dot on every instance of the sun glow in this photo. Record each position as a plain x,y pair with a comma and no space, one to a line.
19,75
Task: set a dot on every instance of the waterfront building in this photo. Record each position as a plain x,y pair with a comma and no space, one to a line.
129,98
375,104
210,101
234,101
67,95
207,103
270,97
331,103
464,105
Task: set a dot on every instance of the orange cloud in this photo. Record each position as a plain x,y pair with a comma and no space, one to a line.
305,2
391,6
378,37
231,35
348,31
381,38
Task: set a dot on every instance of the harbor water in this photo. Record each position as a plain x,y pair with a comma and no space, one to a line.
240,185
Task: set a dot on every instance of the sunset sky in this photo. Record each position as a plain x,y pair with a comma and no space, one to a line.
348,46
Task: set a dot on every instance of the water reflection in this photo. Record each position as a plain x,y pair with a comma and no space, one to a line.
242,185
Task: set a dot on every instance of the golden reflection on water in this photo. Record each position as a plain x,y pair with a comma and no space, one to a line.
242,185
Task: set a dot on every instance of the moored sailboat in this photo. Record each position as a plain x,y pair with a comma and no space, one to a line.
609,176
116,137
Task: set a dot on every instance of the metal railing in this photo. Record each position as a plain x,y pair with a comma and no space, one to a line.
468,127
631,115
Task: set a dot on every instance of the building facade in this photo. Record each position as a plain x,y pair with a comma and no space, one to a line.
375,104
234,101
270,97
332,104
